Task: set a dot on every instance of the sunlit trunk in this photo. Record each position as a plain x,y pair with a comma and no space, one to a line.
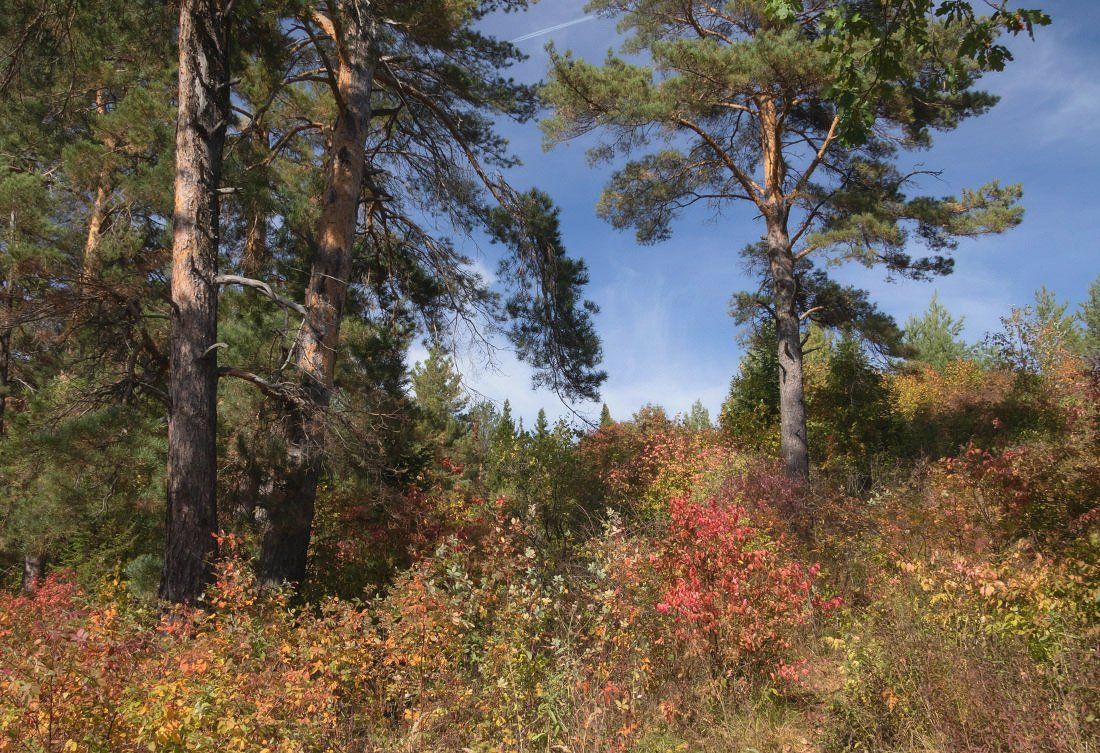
97,216
191,519
254,255
792,403
291,509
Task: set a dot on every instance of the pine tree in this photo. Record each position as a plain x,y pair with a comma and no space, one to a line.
933,337
743,102
84,140
1090,315
698,418
413,88
192,513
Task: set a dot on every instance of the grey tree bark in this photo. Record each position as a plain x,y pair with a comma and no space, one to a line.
792,403
34,570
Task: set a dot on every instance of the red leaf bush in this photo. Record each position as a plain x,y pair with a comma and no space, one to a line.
732,594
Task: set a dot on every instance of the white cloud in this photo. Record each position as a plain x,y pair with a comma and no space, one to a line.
1051,88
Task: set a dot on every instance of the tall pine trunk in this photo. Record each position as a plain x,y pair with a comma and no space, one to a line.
792,403
191,519
776,211
5,368
290,511
7,331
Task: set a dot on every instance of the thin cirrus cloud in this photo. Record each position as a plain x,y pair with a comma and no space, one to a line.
552,29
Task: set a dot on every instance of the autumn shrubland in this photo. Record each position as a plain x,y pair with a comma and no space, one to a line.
249,502
649,585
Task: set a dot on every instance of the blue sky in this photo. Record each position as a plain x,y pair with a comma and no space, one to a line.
666,333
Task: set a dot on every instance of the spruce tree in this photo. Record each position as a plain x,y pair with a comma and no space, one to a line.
738,102
440,400
606,420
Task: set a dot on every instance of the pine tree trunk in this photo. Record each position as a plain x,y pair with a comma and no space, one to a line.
191,520
34,570
98,214
7,286
290,511
776,210
255,253
792,403
5,373
95,230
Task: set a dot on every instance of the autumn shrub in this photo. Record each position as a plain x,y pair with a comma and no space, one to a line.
915,682
643,464
626,457
252,674
943,409
687,613
1040,484
731,593
66,669
93,673
469,641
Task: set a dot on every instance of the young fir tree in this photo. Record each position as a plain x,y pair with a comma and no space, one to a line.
750,412
933,337
851,416
740,104
440,401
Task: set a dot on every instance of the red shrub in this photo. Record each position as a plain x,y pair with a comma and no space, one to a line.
733,595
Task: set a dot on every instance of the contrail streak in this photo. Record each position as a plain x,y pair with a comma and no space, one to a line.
552,29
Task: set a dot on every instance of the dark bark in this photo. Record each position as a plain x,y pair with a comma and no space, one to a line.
792,404
191,520
290,510
34,570
6,333
289,523
5,373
